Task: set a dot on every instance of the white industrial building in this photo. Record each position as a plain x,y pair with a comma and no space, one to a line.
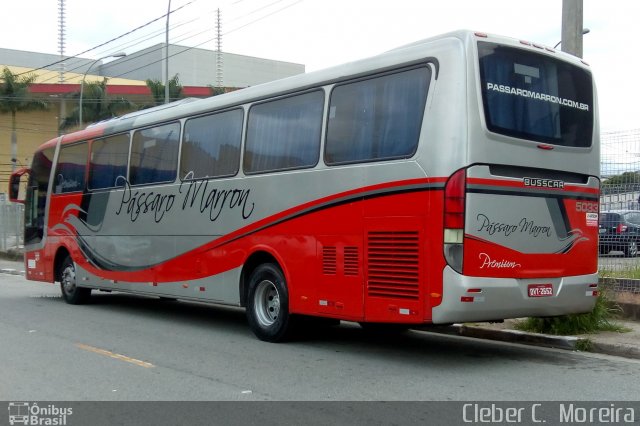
194,66
198,67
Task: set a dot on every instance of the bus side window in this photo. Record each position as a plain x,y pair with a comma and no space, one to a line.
154,154
211,145
108,166
377,119
72,164
284,134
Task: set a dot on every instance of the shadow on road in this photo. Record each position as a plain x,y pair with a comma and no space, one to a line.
411,347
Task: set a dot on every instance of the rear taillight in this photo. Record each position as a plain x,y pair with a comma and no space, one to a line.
454,204
621,228
454,192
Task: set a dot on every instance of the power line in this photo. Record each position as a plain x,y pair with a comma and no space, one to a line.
186,36
199,44
264,17
141,40
256,10
112,40
192,35
124,46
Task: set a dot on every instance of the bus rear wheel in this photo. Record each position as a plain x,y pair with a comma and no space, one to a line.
71,293
268,304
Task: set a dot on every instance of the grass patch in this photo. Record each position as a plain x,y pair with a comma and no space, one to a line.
600,319
632,272
584,345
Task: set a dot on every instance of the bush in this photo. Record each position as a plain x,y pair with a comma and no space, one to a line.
600,319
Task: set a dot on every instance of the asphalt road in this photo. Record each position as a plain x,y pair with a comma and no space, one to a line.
128,348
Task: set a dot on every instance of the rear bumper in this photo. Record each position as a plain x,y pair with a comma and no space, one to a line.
503,298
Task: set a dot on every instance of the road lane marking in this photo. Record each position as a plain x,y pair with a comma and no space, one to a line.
114,355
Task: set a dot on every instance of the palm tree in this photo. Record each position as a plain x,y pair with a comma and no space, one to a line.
14,97
157,90
96,106
217,90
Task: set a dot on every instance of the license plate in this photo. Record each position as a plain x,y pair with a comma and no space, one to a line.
602,231
540,290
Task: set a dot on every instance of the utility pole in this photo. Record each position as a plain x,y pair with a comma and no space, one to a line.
572,27
166,57
218,49
61,66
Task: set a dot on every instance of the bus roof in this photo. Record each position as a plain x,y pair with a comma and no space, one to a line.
411,53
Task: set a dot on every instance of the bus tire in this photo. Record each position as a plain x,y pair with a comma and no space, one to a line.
71,293
268,304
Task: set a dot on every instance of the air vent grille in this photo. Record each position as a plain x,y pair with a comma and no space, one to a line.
351,261
329,260
393,264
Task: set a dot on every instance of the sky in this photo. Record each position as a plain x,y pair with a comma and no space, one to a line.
322,33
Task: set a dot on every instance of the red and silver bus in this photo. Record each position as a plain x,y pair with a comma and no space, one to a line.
454,179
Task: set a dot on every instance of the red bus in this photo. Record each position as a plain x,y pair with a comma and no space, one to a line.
454,179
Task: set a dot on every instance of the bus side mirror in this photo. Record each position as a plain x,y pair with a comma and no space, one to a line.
15,195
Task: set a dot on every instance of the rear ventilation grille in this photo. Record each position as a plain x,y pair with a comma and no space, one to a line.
393,265
329,260
351,261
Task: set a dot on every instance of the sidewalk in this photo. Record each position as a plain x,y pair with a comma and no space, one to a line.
611,343
13,267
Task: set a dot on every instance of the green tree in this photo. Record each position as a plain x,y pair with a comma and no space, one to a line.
96,105
216,90
157,90
14,98
623,179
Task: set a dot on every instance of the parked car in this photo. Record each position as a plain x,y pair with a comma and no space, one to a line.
619,230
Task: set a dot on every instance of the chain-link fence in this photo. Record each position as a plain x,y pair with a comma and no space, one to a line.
11,226
620,193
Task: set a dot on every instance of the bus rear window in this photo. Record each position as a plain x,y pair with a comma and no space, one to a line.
535,97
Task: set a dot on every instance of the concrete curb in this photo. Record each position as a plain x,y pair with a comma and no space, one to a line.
516,336
617,349
512,336
535,339
11,271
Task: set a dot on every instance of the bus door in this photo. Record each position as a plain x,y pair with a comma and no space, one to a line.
36,216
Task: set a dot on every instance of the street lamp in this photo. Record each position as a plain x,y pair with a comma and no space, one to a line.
115,55
584,31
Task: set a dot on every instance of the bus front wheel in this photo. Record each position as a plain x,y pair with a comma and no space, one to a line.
268,304
71,293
